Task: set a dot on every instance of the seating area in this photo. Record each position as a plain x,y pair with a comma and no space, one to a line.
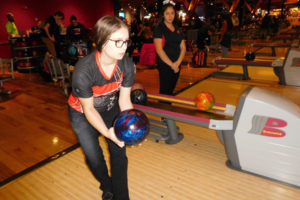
60,73
6,73
147,56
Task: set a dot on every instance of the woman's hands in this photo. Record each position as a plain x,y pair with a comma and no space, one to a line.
52,38
175,66
112,136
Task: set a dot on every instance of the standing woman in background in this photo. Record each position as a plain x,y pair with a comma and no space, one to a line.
170,48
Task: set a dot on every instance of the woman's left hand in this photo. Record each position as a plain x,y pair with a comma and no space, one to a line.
112,136
175,66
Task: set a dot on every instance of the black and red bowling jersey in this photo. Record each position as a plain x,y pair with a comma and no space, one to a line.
171,41
89,80
76,33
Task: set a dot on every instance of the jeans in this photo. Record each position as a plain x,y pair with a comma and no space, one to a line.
88,136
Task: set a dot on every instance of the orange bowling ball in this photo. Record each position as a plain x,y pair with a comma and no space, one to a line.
28,64
204,101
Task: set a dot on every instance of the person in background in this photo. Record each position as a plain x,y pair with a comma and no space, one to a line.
36,31
12,31
203,42
11,27
51,32
146,33
203,37
235,22
170,48
76,32
265,26
134,30
225,37
101,85
38,28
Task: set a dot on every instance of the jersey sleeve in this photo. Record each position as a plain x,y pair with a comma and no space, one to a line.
129,71
158,33
81,83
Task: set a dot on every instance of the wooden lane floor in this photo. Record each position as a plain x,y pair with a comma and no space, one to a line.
34,126
192,169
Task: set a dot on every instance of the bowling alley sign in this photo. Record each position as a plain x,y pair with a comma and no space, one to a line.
267,126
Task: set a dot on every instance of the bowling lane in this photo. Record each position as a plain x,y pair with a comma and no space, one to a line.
228,91
256,73
187,110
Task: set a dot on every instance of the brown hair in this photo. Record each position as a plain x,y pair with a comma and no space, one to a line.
103,29
60,14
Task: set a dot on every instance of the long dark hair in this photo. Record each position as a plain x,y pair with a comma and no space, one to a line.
161,17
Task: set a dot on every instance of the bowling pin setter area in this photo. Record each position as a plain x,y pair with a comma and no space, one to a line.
263,120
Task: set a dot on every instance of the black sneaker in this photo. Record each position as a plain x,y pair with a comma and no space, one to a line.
107,196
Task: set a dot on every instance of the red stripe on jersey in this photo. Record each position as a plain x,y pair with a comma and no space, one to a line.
99,90
101,69
75,103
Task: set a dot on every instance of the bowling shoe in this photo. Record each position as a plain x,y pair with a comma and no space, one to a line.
107,196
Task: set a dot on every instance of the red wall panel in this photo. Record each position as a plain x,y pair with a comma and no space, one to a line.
28,12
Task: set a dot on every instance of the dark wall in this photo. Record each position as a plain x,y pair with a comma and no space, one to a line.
28,12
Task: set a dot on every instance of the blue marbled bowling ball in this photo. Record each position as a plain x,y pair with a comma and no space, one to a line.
72,51
131,126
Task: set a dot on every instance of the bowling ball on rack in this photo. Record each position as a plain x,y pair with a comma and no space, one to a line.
23,42
28,64
21,64
250,56
26,53
138,96
131,126
34,53
34,43
19,54
204,101
72,51
17,43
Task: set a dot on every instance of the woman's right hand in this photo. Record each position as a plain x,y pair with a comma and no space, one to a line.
52,38
175,67
112,136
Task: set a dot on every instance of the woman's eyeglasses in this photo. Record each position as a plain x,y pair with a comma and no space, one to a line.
120,43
